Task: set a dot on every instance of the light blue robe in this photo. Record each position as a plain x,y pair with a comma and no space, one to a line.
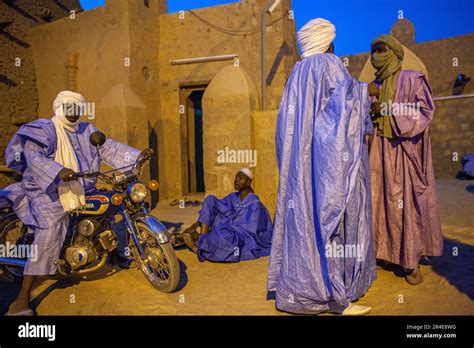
35,200
324,190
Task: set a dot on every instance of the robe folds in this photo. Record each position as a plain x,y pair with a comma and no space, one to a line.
322,255
239,230
406,221
35,199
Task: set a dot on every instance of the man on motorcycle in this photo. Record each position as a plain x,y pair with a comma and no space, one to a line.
47,152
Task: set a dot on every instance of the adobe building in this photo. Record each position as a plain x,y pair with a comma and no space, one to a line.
189,85
151,75
18,89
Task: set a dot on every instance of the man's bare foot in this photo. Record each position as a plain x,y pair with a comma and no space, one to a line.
19,306
190,239
190,236
192,228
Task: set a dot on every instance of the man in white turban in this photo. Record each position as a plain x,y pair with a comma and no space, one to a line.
322,257
47,152
316,37
235,228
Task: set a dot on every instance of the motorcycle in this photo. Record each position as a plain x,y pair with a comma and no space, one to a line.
91,240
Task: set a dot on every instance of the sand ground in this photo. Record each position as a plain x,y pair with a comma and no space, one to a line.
239,289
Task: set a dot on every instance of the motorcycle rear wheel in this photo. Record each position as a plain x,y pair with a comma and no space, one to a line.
161,266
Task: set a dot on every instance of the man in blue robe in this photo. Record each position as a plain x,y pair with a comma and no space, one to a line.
322,256
237,227
46,152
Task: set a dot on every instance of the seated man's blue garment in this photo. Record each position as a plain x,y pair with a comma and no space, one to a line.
324,202
238,230
468,164
4,201
35,200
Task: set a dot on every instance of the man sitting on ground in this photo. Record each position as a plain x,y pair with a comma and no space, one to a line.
237,227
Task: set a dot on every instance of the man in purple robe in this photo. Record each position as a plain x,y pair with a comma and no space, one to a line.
46,152
322,257
406,220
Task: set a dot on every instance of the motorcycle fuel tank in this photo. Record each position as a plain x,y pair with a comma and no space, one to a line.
99,203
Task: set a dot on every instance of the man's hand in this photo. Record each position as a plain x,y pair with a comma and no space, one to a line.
148,152
373,90
65,174
375,109
145,154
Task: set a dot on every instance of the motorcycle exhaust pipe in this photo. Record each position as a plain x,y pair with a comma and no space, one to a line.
83,271
92,269
9,261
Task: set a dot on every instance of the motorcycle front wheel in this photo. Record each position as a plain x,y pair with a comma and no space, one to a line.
12,232
160,266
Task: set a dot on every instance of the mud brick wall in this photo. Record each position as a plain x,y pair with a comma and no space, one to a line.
452,135
452,130
18,94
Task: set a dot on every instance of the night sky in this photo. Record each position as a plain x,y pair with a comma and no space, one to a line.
359,21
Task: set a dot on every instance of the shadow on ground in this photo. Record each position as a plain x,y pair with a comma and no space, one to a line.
172,227
10,289
456,266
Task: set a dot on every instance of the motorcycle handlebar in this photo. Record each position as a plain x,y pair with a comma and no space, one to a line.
76,176
147,153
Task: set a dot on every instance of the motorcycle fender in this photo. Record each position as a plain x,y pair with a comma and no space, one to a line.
10,261
157,227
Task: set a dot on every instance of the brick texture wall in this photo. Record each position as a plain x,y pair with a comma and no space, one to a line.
18,95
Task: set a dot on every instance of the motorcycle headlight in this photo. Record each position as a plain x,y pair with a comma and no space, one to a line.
138,192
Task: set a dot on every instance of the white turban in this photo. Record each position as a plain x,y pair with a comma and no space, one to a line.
316,36
67,97
71,193
247,172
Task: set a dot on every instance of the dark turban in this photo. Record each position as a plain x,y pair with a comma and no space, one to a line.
392,43
388,65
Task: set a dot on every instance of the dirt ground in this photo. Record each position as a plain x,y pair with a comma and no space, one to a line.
239,289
